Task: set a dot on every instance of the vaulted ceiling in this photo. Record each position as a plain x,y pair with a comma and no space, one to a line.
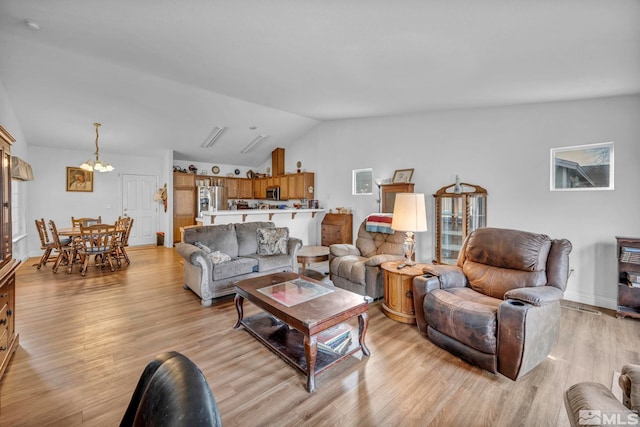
161,74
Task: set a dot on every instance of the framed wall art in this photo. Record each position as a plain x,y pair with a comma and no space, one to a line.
582,167
402,175
79,179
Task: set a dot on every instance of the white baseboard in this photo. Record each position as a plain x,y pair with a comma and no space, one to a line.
590,299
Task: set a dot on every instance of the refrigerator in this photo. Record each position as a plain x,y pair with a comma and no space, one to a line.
211,199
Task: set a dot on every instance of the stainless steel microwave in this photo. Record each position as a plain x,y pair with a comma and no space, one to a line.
273,193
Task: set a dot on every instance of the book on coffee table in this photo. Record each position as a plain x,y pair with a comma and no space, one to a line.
337,347
333,334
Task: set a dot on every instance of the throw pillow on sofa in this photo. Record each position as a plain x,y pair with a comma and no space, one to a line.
217,257
272,241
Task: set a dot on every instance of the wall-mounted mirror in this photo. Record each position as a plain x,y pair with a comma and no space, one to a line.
362,182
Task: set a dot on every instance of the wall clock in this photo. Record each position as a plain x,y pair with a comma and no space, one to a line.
215,169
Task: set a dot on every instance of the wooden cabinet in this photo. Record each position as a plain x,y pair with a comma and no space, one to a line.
238,188
628,277
260,188
245,188
8,337
337,228
292,186
301,185
233,190
388,194
181,179
277,162
460,209
184,202
284,187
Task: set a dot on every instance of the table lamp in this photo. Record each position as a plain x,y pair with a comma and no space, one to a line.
410,216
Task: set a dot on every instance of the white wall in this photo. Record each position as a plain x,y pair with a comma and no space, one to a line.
505,150
49,199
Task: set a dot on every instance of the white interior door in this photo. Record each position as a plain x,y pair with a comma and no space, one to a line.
137,203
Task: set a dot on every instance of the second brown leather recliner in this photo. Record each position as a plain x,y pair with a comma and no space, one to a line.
499,307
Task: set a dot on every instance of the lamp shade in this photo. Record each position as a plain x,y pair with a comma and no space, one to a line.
409,213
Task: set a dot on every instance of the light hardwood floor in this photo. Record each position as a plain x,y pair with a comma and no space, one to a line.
85,341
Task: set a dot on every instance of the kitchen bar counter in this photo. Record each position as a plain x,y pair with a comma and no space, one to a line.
302,223
209,218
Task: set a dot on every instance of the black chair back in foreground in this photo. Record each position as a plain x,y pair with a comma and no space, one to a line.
172,391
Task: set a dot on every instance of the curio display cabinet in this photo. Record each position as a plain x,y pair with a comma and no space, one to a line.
460,208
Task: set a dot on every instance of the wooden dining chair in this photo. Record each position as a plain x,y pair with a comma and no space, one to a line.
97,241
46,244
65,248
78,222
123,230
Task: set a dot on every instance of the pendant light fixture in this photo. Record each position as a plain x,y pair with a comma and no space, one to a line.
97,164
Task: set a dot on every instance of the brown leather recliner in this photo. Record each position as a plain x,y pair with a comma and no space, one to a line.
499,307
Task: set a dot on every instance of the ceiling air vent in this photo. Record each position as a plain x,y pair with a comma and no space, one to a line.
213,136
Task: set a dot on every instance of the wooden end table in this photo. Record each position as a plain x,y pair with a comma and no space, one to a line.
398,291
308,254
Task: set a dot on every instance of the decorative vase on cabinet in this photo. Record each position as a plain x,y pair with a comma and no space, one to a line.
457,215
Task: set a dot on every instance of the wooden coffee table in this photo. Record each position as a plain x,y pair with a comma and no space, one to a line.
289,328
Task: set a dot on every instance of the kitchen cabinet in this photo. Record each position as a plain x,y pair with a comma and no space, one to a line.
245,188
239,188
284,187
184,202
277,162
232,185
259,188
301,185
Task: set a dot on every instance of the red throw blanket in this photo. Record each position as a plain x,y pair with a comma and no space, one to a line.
379,223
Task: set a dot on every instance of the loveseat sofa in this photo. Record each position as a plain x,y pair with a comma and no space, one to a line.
217,256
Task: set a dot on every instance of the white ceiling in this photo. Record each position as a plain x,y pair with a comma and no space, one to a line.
160,74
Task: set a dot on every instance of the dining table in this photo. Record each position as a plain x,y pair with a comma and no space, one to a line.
76,232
